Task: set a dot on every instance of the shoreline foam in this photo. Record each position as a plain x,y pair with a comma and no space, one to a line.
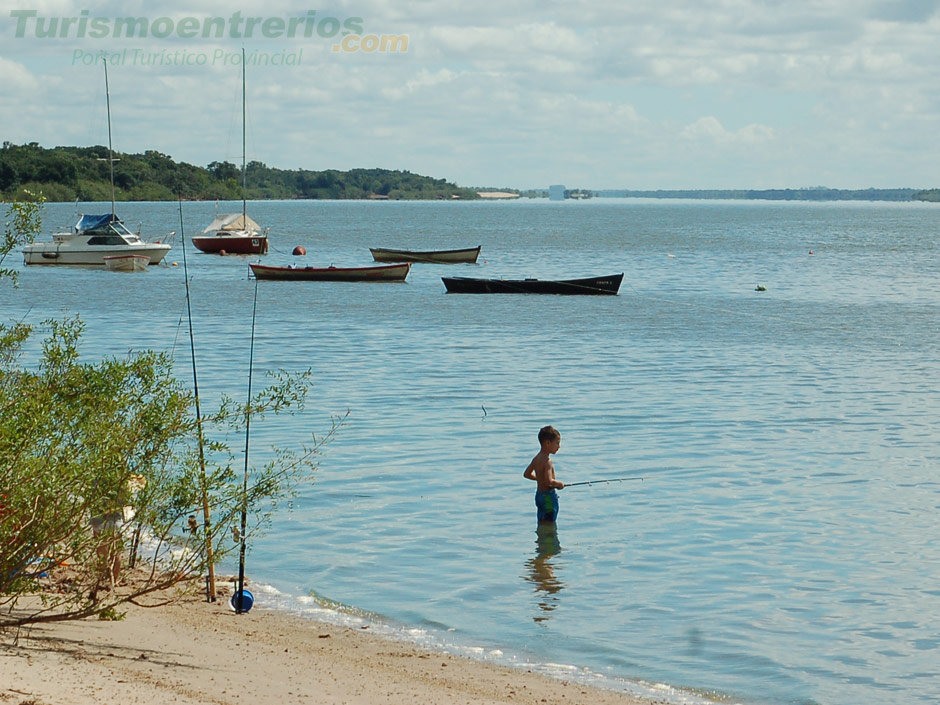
438,641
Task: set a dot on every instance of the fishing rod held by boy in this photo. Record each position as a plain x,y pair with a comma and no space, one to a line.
596,482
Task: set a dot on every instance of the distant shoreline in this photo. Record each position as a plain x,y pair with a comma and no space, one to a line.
802,194
67,174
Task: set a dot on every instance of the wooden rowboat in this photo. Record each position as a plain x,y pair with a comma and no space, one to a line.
127,263
381,273
381,254
608,285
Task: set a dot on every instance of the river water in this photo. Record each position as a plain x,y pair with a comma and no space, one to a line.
782,546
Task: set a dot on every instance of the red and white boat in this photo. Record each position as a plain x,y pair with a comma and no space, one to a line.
233,234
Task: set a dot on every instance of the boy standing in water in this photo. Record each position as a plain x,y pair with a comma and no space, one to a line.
542,470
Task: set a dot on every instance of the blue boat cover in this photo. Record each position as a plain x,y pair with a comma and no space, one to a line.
93,222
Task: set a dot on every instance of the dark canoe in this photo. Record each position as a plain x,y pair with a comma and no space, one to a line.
589,286
381,254
381,273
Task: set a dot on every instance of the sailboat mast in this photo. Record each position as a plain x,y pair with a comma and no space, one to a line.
107,94
244,150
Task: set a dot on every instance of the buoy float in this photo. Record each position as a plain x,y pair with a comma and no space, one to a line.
299,251
247,600
223,253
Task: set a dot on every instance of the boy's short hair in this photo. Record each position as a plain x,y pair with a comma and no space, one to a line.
549,433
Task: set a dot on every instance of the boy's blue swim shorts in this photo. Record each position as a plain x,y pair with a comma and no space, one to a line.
546,501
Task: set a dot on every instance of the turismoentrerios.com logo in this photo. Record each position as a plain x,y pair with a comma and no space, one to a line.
349,34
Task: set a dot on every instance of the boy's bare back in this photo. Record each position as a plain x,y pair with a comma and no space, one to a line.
542,469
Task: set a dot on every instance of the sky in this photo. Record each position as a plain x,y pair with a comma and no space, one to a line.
607,94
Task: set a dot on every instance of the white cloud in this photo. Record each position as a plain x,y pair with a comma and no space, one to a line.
15,79
710,129
528,92
423,80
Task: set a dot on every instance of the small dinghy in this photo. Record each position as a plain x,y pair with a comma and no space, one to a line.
468,255
127,263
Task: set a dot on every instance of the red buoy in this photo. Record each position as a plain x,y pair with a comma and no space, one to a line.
299,251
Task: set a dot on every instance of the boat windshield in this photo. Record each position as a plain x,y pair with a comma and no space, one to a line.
105,230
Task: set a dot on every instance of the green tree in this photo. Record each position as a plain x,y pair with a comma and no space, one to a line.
66,172
118,439
8,175
22,222
223,171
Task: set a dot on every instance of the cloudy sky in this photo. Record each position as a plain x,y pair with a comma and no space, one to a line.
601,94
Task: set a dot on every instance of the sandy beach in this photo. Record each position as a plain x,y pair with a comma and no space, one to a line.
198,652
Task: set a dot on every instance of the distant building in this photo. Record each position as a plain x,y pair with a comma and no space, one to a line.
556,192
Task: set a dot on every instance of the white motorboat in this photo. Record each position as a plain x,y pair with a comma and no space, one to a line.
95,237
92,239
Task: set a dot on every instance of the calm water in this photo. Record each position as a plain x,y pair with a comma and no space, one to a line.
783,545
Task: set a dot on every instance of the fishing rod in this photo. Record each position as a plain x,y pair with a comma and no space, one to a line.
238,601
596,482
206,515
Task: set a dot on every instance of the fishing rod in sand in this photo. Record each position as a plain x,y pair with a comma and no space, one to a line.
206,515
597,482
241,600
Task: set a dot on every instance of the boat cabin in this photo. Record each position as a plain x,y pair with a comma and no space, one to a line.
102,230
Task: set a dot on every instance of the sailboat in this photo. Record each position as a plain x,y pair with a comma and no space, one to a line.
96,239
235,233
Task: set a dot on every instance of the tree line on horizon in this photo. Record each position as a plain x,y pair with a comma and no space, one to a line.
82,173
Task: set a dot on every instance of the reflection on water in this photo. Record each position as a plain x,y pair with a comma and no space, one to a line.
541,572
